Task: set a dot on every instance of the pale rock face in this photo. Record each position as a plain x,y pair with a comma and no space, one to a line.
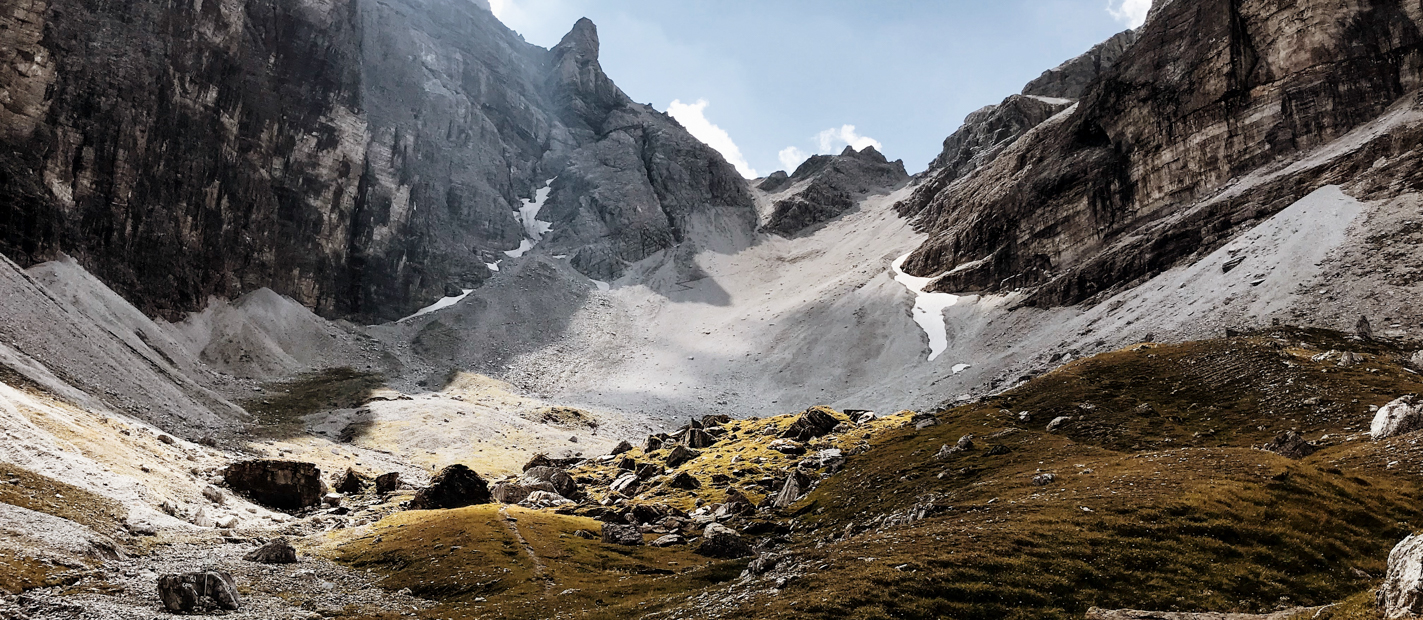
1401,595
1396,418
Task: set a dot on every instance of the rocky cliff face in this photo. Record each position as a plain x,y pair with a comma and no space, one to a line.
359,156
1210,92
1071,79
827,186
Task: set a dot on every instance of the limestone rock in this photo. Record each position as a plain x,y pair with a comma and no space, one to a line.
1289,444
679,455
669,540
623,446
698,438
653,443
351,483
792,489
278,551
563,484
626,484
387,483
648,471
456,486
198,592
786,446
538,460
1417,360
814,422
1071,79
627,535
1396,418
1057,423
684,481
280,485
833,185
776,182
719,541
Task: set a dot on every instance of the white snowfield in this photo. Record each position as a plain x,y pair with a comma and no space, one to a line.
528,216
441,304
928,308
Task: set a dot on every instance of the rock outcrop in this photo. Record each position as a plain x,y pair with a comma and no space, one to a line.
360,157
1130,181
1290,445
1071,79
456,486
281,485
627,535
719,541
278,551
814,422
198,592
829,186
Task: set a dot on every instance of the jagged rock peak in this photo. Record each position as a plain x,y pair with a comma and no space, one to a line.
1071,79
829,186
582,39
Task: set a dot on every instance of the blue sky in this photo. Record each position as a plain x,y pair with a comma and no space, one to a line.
769,83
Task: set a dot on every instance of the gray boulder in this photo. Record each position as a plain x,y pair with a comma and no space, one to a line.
278,551
387,483
198,592
698,438
669,540
1290,445
1058,422
280,485
679,455
719,541
626,484
1396,418
455,486
563,484
796,485
815,422
1417,360
1401,595
627,535
684,481
623,446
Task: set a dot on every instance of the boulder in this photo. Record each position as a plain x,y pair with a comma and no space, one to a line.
585,535
563,484
1363,329
684,481
814,422
786,446
514,492
715,419
1417,360
1042,480
679,455
1396,418
1290,445
1401,595
669,540
831,458
627,535
628,463
796,485
455,486
198,592
654,443
545,499
278,551
1058,422
1293,613
866,417
387,483
280,485
626,484
719,541
734,504
698,438
538,460
351,483
648,471
623,446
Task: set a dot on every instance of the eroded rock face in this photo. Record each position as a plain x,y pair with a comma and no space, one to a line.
360,157
1119,189
834,184
198,592
280,485
1071,79
456,486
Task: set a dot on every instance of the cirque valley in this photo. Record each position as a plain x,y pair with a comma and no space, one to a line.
372,309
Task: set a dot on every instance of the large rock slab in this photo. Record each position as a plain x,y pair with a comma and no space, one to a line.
455,486
815,422
280,485
562,483
627,535
1396,418
278,551
1401,595
719,541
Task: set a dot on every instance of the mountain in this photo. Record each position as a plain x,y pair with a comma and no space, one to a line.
826,186
1137,176
362,157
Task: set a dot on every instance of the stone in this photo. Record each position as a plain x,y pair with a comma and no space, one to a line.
1025,416
351,483
1071,79
652,444
627,535
387,483
684,481
1396,418
719,541
585,535
997,450
776,182
787,446
1043,479
1293,613
538,460
279,485
512,492
627,462
227,522
456,486
332,499
623,446
626,484
1363,329
1057,423
563,484
1417,360
669,540
814,422
735,503
278,551
698,438
792,489
214,495
545,499
648,471
166,439
1290,445
866,417
831,458
715,419
679,455
198,592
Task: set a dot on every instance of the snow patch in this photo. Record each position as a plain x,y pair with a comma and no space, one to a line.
1051,100
602,286
958,368
441,304
928,308
524,246
528,214
494,266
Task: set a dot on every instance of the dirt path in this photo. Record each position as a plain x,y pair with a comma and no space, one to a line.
540,570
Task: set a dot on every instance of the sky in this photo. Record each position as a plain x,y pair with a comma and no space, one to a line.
769,84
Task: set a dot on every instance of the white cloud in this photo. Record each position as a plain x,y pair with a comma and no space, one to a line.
829,142
792,157
1129,12
497,7
832,140
693,117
